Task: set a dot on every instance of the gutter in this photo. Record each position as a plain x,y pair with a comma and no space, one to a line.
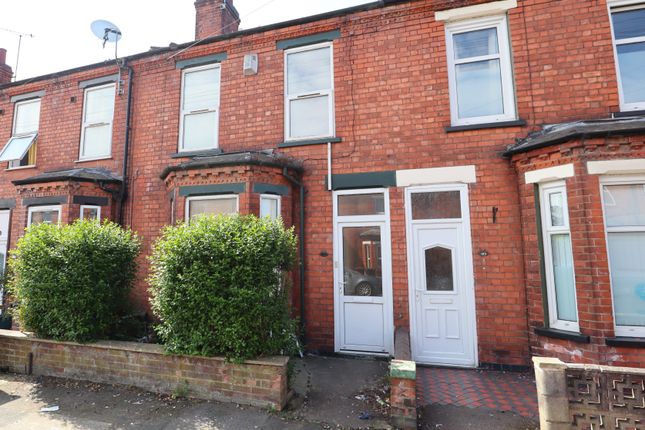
301,249
126,145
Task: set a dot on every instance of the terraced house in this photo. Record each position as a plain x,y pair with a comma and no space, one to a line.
471,171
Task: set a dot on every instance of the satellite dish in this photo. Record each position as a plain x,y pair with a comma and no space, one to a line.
106,31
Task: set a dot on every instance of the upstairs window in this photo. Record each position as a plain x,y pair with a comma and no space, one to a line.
628,25
20,150
558,258
98,114
309,92
199,122
480,72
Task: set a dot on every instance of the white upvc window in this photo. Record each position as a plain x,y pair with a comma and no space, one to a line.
91,212
199,113
480,71
623,201
98,116
309,92
628,33
270,206
227,204
558,257
20,150
44,214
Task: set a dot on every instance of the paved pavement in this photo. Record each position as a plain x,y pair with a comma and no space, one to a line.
332,394
462,399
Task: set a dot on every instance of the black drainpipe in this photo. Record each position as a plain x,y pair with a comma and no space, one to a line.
126,145
301,250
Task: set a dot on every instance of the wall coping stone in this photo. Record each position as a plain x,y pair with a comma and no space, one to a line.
149,348
403,369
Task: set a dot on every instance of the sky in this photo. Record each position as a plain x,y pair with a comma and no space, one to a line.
62,38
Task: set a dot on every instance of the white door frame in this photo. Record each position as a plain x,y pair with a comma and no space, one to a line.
469,286
382,221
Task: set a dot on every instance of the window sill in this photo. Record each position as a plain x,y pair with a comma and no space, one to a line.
86,160
9,169
500,124
305,142
628,113
631,342
200,153
562,334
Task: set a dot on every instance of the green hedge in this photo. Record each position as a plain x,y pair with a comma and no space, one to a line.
71,282
216,287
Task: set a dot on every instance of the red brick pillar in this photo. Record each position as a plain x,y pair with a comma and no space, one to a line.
403,394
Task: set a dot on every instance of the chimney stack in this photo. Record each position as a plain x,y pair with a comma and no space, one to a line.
5,71
215,17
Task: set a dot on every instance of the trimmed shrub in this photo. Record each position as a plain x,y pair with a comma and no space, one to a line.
216,287
71,282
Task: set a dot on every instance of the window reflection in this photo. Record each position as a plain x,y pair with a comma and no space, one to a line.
362,261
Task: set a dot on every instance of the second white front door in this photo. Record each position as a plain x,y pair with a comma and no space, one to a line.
440,275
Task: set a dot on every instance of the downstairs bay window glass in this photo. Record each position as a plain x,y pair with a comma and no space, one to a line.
43,214
558,258
211,205
624,209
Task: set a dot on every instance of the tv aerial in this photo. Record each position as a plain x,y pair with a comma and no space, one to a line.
107,32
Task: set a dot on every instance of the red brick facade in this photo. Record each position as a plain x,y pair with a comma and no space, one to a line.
392,108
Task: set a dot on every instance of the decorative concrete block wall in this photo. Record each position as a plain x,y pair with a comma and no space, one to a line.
582,396
260,382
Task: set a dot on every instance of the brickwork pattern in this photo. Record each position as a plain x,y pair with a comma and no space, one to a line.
260,383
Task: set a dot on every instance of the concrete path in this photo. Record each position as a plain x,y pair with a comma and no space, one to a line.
327,398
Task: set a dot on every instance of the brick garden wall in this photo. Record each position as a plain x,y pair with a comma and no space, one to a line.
260,383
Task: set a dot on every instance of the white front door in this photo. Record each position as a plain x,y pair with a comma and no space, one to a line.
442,302
362,275
4,243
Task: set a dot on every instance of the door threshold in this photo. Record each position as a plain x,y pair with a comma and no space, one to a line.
448,366
349,352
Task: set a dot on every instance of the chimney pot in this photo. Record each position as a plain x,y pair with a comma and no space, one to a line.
3,56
